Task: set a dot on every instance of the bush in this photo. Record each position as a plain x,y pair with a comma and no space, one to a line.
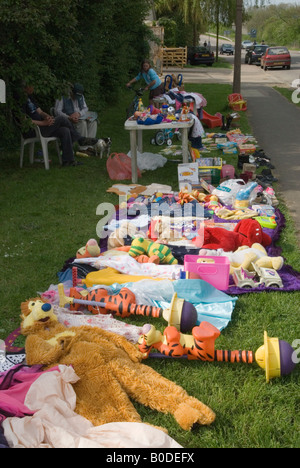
50,44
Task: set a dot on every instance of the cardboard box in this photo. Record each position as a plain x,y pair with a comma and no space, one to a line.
187,175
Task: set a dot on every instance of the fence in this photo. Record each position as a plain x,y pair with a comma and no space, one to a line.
175,57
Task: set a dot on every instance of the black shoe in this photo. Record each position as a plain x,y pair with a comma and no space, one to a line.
263,163
87,141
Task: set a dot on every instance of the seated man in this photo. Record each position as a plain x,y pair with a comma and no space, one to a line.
76,110
59,127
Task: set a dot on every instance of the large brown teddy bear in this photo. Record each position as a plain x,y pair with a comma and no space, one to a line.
109,369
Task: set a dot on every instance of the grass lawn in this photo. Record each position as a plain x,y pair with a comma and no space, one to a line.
291,95
47,215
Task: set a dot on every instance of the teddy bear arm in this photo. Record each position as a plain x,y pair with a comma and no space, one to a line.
39,351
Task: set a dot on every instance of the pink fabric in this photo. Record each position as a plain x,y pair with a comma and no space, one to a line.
12,398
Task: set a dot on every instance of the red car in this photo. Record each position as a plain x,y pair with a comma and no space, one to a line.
276,57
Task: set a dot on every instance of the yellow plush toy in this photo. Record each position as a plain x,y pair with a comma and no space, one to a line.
109,370
245,256
91,249
141,246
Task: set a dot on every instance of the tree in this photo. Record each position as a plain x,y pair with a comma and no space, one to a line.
190,13
51,43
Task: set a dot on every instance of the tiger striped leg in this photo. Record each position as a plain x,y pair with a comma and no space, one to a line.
234,356
146,310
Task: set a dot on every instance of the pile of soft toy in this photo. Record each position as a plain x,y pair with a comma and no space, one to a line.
165,266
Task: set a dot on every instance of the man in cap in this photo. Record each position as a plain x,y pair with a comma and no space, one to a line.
74,108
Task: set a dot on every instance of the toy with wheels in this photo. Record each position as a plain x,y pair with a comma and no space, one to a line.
166,136
275,356
181,314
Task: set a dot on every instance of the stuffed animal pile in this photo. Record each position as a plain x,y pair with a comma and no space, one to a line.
109,369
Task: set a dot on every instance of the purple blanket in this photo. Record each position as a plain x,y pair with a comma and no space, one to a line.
290,277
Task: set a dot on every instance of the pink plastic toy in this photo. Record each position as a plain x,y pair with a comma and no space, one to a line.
213,270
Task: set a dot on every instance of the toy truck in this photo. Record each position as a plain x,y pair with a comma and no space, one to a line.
259,277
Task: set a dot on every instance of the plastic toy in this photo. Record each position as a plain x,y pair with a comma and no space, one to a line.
181,314
211,121
213,270
267,222
236,102
275,356
166,136
266,277
242,198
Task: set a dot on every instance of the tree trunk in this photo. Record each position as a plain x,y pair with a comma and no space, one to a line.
238,47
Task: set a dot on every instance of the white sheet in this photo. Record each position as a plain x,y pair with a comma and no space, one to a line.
56,425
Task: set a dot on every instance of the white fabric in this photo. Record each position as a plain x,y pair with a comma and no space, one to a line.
103,321
149,161
128,265
56,425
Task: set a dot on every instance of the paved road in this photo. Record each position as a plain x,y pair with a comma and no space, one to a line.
274,120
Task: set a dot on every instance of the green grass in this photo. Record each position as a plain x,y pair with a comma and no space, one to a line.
289,94
47,215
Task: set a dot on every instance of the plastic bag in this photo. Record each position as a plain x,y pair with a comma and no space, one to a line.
227,190
119,167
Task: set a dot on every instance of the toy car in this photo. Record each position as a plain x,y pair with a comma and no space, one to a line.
259,277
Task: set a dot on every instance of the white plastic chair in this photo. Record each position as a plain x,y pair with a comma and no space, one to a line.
44,143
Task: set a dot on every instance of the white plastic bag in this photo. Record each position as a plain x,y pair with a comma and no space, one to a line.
227,190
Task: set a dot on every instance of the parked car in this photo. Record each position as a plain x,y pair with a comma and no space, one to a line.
276,57
200,55
227,49
246,44
254,53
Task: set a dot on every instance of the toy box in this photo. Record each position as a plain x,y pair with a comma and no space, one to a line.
187,175
213,270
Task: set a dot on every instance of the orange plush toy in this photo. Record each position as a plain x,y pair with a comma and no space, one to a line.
91,249
109,369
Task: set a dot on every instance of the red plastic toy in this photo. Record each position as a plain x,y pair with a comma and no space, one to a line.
211,121
237,102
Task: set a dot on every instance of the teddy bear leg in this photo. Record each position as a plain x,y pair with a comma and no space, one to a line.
146,386
275,263
101,399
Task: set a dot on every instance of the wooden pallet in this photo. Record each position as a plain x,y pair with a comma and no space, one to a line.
174,57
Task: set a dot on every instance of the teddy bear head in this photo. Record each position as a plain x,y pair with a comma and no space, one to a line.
250,232
35,314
